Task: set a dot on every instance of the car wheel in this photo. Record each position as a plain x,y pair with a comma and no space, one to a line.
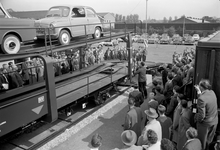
64,37
97,33
10,44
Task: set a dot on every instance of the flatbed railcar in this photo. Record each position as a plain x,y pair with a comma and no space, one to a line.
21,106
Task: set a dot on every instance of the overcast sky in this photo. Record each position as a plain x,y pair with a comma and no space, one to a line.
157,9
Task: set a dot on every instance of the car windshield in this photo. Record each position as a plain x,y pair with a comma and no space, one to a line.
58,12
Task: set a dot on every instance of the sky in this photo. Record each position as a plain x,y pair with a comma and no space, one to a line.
156,9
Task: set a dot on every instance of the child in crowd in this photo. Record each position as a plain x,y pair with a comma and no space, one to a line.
96,142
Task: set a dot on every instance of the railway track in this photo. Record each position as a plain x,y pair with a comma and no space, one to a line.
26,142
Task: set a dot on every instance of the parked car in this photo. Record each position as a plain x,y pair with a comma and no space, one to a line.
13,32
177,40
165,39
196,37
189,40
153,39
65,22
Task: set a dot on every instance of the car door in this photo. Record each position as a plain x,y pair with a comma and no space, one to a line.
92,19
78,21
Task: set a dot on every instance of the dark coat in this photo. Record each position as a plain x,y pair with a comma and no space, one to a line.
165,122
193,144
137,95
176,118
159,98
133,120
141,74
168,89
177,80
184,124
171,107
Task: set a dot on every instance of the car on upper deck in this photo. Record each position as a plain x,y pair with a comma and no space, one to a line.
66,21
14,31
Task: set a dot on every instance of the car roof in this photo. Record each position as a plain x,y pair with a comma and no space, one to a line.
71,6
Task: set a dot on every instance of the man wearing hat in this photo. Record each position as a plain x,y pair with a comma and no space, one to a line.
152,124
165,121
129,139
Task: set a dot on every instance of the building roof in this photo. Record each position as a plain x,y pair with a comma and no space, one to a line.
188,20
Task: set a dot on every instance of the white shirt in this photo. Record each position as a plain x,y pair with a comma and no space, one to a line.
154,146
153,125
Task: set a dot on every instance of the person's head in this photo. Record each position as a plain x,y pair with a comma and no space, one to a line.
5,66
174,71
128,137
152,136
155,83
158,90
204,84
169,76
161,109
96,141
191,133
142,64
151,114
131,101
184,104
135,86
176,89
166,144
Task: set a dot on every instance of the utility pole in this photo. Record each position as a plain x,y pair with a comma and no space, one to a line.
146,15
183,25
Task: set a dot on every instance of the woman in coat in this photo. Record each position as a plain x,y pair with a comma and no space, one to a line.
184,124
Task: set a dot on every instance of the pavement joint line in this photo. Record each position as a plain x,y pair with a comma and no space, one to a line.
76,128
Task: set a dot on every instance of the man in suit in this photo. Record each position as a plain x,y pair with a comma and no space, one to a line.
142,79
137,95
177,80
165,121
176,118
207,113
192,143
133,118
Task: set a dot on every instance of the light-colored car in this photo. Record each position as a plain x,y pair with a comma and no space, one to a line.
14,31
196,37
65,22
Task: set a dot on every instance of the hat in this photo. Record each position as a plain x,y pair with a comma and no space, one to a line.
151,113
96,140
161,108
129,137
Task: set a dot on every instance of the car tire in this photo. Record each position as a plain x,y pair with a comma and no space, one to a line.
11,44
97,33
64,37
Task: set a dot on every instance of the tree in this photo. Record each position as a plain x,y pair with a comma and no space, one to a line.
123,18
171,31
116,17
210,19
164,20
175,17
170,19
120,18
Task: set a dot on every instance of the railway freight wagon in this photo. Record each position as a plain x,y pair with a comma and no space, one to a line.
207,64
44,95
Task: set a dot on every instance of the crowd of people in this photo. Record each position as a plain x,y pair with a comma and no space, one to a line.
15,75
170,122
